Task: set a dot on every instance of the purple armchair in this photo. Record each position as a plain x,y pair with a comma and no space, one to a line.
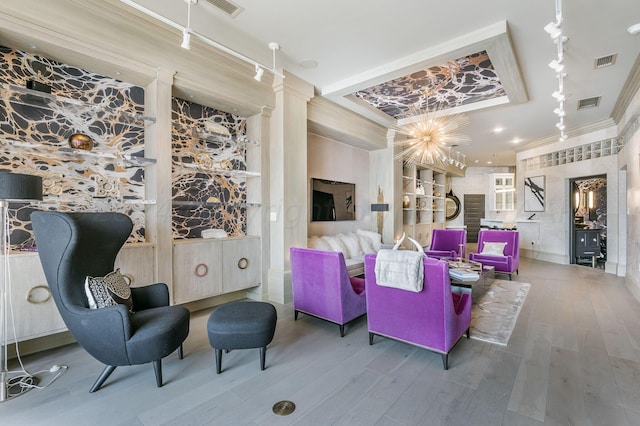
505,260
434,318
322,287
447,243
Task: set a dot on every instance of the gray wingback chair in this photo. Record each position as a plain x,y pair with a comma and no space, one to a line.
73,246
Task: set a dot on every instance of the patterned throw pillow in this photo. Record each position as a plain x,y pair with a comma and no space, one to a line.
110,290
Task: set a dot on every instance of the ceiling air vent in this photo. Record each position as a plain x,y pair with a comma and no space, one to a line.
605,61
227,7
589,102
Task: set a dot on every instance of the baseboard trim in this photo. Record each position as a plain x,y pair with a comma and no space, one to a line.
633,286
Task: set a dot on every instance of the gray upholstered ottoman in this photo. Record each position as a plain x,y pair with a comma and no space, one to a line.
241,325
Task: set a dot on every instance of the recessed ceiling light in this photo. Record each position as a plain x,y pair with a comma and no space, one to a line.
516,140
634,29
477,161
309,63
489,162
117,72
498,130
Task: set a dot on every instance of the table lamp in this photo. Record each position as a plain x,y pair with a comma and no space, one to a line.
21,188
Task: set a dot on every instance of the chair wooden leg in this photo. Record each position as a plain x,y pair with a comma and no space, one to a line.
445,361
295,315
218,361
103,376
468,329
157,368
180,352
341,330
370,339
263,353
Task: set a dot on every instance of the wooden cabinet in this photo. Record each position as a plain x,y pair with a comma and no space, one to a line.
587,245
240,264
31,306
34,310
209,267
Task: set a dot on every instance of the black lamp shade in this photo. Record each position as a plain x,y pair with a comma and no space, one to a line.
19,187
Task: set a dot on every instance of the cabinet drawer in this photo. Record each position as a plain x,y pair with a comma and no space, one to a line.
197,272
240,264
34,310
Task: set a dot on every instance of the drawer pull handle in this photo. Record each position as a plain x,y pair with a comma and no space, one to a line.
37,289
201,270
243,263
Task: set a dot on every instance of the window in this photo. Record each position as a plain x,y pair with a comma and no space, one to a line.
503,190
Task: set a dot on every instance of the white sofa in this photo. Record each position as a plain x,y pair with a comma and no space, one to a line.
353,245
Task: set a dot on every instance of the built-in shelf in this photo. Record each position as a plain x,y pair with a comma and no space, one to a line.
212,204
216,170
70,107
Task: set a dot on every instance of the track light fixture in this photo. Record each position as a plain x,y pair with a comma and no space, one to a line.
559,112
188,33
553,29
558,96
259,73
556,65
186,39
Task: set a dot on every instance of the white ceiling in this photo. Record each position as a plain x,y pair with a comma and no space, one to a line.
358,43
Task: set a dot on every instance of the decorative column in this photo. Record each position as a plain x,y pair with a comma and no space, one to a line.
288,182
158,177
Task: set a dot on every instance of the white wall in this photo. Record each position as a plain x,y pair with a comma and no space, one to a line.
333,160
554,222
629,158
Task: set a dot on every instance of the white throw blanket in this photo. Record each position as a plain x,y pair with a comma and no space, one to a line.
402,269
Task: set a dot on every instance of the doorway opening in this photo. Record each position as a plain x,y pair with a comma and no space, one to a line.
588,203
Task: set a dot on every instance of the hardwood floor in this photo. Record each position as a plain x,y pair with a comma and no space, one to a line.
573,359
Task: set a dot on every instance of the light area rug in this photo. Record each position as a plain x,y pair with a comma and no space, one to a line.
494,314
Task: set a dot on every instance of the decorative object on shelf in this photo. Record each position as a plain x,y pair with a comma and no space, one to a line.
216,128
40,71
420,189
203,159
554,29
213,233
423,204
51,183
226,165
80,141
430,134
534,194
106,186
451,206
13,187
406,202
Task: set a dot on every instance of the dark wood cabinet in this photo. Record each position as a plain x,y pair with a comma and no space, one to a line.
587,244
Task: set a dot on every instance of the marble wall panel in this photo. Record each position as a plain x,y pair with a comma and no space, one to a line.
34,134
204,196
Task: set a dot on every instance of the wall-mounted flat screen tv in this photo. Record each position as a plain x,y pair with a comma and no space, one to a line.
332,200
